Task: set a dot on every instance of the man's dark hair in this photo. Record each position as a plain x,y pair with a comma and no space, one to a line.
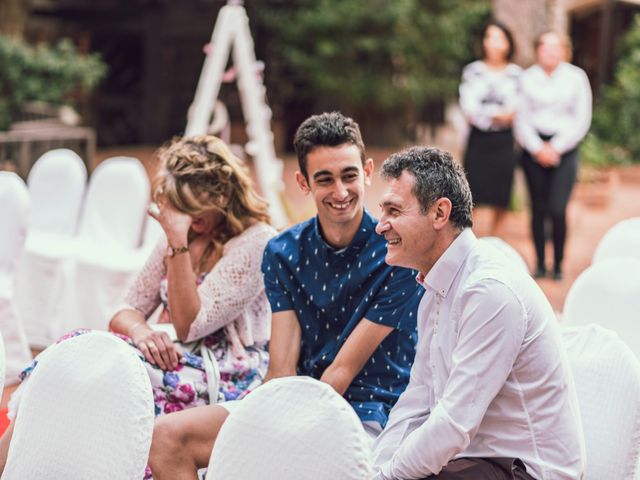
326,130
436,176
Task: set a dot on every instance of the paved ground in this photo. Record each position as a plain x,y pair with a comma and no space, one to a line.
590,216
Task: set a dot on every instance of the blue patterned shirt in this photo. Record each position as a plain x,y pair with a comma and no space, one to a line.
331,291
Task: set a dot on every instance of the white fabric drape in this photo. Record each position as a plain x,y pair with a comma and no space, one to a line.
14,221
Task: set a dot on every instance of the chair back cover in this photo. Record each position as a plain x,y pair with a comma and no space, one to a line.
116,204
512,254
607,379
292,428
14,220
608,293
57,183
86,412
621,240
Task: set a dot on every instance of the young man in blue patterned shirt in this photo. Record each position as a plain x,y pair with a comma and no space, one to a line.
340,314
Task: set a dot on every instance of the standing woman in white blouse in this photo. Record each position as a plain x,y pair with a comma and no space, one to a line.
553,118
488,98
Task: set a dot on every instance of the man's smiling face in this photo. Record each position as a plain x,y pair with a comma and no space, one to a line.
336,179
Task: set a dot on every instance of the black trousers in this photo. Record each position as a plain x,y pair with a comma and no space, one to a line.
483,469
549,190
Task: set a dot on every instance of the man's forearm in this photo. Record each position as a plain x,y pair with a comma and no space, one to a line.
339,377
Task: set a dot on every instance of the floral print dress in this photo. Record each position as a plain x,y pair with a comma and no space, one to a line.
233,326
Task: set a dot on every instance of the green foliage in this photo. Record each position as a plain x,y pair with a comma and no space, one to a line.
361,53
44,73
617,116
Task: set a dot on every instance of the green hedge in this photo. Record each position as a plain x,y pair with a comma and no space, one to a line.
52,74
614,135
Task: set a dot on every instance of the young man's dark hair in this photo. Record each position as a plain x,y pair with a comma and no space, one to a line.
326,130
437,175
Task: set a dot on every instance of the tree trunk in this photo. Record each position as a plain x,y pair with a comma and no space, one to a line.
527,19
13,17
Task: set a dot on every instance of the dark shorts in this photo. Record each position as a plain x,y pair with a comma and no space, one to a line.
483,469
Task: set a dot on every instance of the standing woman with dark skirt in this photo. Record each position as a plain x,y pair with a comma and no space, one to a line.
488,97
553,117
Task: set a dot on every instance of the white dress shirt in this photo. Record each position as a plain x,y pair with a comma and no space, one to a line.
558,104
485,93
490,378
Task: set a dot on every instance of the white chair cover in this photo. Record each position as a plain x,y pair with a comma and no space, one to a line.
508,250
109,237
85,412
621,240
115,205
45,284
608,293
46,293
56,184
14,221
292,428
607,378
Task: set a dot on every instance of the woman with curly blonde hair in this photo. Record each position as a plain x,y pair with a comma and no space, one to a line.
205,279
206,275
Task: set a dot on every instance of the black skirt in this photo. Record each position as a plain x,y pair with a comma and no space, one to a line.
489,162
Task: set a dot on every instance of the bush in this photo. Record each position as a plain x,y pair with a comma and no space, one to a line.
617,115
52,74
372,53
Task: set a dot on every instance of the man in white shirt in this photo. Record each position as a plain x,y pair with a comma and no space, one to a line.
490,392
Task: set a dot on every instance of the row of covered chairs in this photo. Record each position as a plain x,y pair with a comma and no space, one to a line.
84,243
608,291
87,411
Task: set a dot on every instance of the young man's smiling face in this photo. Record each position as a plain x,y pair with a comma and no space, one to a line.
336,179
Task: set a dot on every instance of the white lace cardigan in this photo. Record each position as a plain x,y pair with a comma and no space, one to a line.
232,295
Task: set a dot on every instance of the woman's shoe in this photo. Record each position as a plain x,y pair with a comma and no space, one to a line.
540,272
557,274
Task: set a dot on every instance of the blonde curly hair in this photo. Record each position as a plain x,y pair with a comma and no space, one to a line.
200,175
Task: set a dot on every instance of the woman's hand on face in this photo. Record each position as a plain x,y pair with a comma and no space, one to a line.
157,347
174,223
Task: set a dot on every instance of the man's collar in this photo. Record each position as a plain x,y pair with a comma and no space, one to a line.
441,275
367,225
